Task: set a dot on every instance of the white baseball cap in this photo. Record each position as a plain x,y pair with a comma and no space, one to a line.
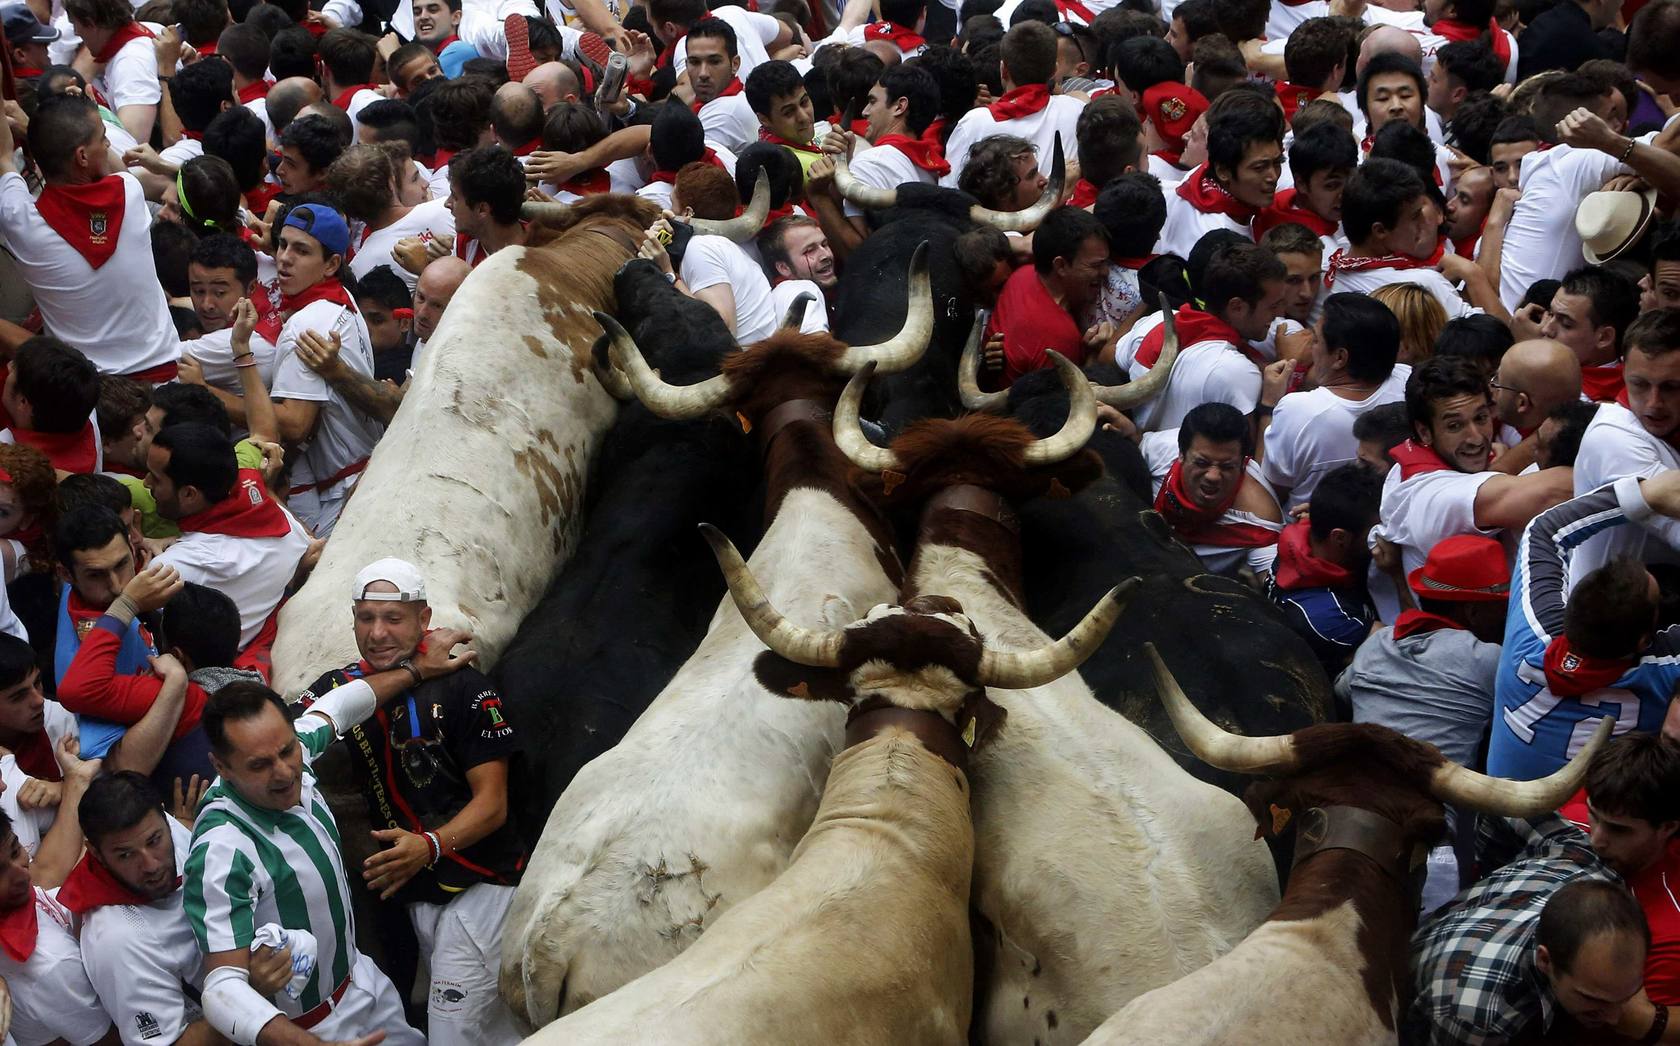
411,587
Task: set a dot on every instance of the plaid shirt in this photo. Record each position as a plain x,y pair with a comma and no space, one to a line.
1473,973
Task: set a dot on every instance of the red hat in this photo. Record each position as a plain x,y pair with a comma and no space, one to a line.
1173,108
1467,568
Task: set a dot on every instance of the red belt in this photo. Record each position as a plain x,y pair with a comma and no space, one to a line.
157,375
320,1013
355,468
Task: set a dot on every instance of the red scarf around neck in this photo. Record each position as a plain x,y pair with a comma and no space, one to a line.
70,451
88,217
1194,327
1416,622
1569,674
343,98
529,147
906,40
734,87
25,72
1084,194
1452,29
924,154
270,324
1298,568
1285,209
1341,261
1201,526
669,54
1602,384
19,928
247,512
1415,459
670,177
437,48
1022,101
1293,96
766,135
1071,10
589,183
1208,196
91,885
254,90
120,39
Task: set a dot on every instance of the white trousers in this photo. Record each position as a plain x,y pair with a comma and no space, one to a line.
462,942
370,1004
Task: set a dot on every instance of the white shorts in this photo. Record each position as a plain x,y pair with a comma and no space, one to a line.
370,1004
462,942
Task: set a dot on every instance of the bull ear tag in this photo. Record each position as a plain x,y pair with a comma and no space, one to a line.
968,732
890,479
746,425
1280,819
800,689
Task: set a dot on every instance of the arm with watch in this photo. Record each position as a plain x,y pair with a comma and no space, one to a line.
1643,1021
1274,383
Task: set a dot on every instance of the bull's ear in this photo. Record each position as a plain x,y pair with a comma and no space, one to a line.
780,676
979,718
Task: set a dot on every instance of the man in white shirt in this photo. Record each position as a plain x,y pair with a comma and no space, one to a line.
84,247
1209,490
365,180
221,271
721,274
713,64
756,35
1027,109
901,106
798,260
197,96
1534,379
124,60
486,188
1245,159
246,49
1590,311
348,59
1353,369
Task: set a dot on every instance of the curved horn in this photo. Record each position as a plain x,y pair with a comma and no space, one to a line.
849,435
1081,418
795,316
1146,388
1212,744
743,226
668,401
1018,670
800,645
544,212
611,378
902,350
968,374
1027,220
1470,790
868,197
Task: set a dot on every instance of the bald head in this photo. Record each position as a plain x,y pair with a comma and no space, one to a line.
516,115
1389,39
289,97
437,285
1535,378
554,83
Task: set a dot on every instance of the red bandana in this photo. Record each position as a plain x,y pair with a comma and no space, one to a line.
19,927
91,885
1285,210
765,135
1073,9
342,101
1293,96
1452,29
269,325
258,200
438,47
1135,264
25,72
906,40
589,183
1570,675
1170,156
1602,384
1298,568
441,158
936,131
254,90
529,147
120,39
1209,197
734,87
1341,261
88,217
71,451
1084,194
247,512
669,54
1194,327
1415,459
35,756
1201,526
1023,101
919,151
670,177
1417,622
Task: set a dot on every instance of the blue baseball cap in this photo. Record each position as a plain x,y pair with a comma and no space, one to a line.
22,27
323,223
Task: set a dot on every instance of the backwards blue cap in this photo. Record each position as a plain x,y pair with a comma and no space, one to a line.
323,223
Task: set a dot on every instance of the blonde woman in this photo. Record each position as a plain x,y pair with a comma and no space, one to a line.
1421,319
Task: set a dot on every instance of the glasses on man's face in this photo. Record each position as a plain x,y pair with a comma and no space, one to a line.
1493,383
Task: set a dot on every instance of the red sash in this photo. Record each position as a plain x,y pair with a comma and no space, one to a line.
71,451
26,72
1415,459
342,100
919,151
1569,674
589,183
1298,568
18,929
1602,384
1209,197
765,135
1194,327
1293,96
667,56
437,48
529,147
906,40
1341,261
1023,101
1084,194
254,90
120,39
1417,622
734,87
1451,29
247,512
88,217
91,885
1201,526
35,756
269,324
1284,211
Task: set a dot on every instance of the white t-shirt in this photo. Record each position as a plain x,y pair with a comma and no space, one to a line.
32,825
1616,445
730,121
214,352
1419,512
1431,43
130,77
1205,372
1185,225
1285,17
1431,280
754,33
51,995
375,249
260,107
359,101
1312,433
815,318
146,953
1160,450
182,151
1540,240
117,314
883,167
253,572
713,260
1060,117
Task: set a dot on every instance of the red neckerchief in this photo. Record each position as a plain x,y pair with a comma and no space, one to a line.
441,158
26,72
1194,327
1603,384
1022,101
1285,210
786,210
670,177
71,451
342,100
91,885
906,40
1209,197
1070,9
437,49
269,325
1134,264
192,136
259,198
589,183
35,756
734,87
936,131
667,56
120,39
1293,95
529,147
1298,568
1417,622
18,929
1466,248
1201,526
766,135
1171,156
1415,459
315,28
1341,261
253,90
1452,29
247,512
88,217
1569,674
924,154
1084,194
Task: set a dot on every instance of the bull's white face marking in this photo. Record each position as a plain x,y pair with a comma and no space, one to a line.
882,611
932,688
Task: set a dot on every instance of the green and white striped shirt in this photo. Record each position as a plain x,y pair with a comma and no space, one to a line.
250,865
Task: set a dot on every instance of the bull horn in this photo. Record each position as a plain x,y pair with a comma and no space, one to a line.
869,197
744,226
1146,388
1081,418
1469,790
803,646
1027,220
902,350
795,316
668,401
1018,670
968,374
542,213
849,435
1211,743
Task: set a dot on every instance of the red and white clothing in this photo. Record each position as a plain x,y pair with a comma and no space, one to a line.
1030,112
41,963
814,320
1224,543
255,98
1286,209
214,353
660,183
129,76
353,100
1424,500
1215,365
620,177
1312,433
1444,32
183,150
1657,889
754,33
1365,275
38,762
729,120
1616,445
73,452
712,261
1032,323
1196,206
115,312
1286,16
886,167
909,42
433,216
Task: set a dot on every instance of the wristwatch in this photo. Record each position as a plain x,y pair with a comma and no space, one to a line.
408,663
